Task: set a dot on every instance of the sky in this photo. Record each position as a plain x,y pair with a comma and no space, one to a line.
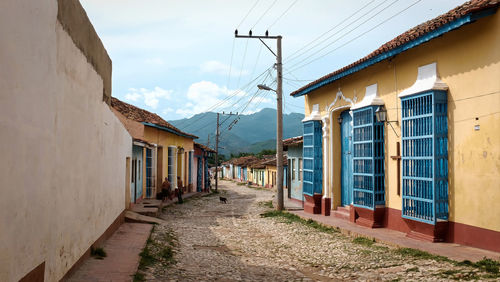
178,58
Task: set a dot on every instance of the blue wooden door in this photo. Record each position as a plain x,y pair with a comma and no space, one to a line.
137,163
346,144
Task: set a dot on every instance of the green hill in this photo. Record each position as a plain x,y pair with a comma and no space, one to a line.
251,133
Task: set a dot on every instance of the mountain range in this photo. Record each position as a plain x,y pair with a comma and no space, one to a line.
243,133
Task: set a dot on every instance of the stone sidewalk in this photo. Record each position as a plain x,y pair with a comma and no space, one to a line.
395,238
122,249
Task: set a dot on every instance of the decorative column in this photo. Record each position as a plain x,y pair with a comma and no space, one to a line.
326,201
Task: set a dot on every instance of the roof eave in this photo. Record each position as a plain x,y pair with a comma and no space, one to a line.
466,19
170,130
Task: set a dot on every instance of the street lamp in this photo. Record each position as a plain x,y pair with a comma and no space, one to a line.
381,115
265,87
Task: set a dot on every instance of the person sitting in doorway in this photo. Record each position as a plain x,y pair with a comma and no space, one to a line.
166,189
180,189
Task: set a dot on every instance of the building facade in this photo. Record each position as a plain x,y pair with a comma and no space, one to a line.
293,147
202,180
404,137
160,151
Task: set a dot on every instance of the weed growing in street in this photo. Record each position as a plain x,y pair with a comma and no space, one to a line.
363,241
491,267
139,277
267,204
98,253
409,252
159,250
288,218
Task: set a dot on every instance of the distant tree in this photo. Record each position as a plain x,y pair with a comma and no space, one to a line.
266,152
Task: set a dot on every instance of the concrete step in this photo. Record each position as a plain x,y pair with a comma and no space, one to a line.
140,209
152,203
134,217
342,212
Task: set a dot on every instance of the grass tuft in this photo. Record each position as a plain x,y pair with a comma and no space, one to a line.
363,241
267,204
139,277
486,264
98,253
409,252
167,254
288,218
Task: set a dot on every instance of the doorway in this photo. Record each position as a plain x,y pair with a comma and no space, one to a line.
346,158
136,187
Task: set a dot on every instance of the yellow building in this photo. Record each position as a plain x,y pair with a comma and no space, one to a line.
160,150
408,137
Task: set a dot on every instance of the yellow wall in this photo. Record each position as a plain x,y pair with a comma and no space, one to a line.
257,177
166,139
468,60
269,175
249,174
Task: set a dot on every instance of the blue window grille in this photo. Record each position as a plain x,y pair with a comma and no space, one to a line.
207,176
313,158
425,156
368,159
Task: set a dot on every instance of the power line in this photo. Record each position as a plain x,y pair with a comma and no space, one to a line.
234,104
256,60
220,103
286,11
248,13
243,63
386,20
248,103
264,13
230,65
343,35
328,31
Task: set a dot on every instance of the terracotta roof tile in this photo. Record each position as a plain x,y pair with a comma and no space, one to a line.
203,147
140,115
293,141
244,161
415,33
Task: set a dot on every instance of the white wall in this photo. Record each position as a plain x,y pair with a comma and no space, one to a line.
62,170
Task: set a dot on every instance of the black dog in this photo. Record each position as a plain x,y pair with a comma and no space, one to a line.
223,200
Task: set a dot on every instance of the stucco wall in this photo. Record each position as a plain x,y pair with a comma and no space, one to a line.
468,60
166,139
62,177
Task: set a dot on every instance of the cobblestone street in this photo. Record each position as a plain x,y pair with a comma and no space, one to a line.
226,242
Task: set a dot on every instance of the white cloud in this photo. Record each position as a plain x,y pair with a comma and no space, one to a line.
167,111
204,94
150,97
133,96
220,68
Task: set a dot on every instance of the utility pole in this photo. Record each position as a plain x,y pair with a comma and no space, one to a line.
217,155
279,121
217,135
